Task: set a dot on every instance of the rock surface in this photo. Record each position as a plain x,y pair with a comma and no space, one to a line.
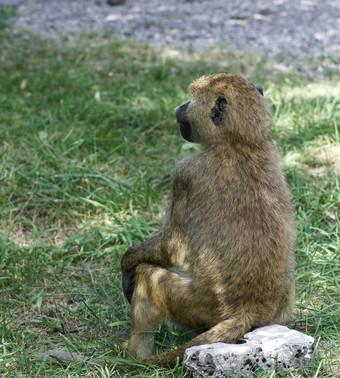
264,348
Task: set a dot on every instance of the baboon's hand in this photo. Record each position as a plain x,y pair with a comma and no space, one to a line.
128,284
129,272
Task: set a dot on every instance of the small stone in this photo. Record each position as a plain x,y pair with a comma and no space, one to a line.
116,2
265,349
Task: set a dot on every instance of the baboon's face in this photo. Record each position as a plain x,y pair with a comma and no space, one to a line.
221,104
186,118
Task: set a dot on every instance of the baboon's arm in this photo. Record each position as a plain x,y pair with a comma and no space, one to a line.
151,252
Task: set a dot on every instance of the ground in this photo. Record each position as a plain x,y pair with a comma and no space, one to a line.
88,140
289,27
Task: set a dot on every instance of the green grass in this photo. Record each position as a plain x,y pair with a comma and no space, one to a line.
81,180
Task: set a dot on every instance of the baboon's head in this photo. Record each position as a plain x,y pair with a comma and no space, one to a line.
224,106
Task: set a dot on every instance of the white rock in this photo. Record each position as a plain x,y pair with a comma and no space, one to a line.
265,349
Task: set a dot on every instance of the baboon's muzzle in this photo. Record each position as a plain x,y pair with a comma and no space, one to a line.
182,119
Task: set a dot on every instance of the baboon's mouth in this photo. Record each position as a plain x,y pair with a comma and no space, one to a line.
186,132
184,124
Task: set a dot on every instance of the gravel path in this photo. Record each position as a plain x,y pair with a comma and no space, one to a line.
291,27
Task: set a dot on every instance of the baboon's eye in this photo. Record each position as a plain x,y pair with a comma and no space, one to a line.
218,112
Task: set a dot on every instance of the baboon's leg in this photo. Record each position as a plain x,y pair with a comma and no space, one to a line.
164,294
144,322
145,316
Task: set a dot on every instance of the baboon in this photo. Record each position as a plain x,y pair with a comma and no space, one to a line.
229,228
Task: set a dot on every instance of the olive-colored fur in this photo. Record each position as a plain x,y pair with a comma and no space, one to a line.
230,228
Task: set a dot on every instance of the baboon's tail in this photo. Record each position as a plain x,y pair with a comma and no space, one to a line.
228,331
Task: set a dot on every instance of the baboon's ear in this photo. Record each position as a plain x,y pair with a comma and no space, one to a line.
218,112
259,89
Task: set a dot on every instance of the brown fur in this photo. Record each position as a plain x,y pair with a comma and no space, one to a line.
230,228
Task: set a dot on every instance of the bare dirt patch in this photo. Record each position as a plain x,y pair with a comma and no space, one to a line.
291,28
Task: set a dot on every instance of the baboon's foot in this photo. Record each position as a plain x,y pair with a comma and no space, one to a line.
121,340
